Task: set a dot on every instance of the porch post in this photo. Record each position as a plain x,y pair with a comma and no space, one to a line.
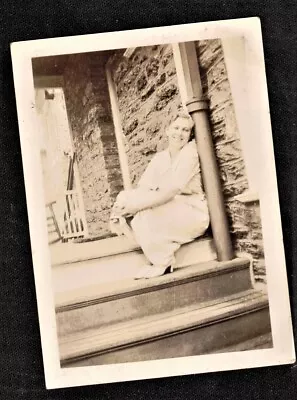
116,116
188,74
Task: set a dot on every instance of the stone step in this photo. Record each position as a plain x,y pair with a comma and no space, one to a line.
184,332
77,265
99,305
264,341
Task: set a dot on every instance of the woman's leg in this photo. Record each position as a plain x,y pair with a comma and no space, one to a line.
162,230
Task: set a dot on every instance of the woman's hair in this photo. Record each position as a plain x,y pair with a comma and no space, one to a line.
189,118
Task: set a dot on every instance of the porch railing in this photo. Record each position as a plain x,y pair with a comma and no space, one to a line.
74,223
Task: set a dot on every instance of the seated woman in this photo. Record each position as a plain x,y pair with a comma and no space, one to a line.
168,206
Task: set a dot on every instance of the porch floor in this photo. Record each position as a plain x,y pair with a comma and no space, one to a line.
77,265
71,252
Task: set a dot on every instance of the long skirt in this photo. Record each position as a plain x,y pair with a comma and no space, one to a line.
160,231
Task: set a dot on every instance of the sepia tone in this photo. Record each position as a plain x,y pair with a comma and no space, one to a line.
117,106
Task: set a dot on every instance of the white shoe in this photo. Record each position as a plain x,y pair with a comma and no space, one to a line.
154,271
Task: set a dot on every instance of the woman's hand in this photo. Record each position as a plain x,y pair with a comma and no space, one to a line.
130,202
125,210
125,205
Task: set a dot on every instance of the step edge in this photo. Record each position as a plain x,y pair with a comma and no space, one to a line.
238,264
114,253
238,311
235,298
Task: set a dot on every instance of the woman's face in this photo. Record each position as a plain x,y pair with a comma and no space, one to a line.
179,133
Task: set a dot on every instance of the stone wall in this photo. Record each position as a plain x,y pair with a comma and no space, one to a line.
149,98
244,219
88,107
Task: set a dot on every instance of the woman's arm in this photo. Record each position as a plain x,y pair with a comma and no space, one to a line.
154,198
141,199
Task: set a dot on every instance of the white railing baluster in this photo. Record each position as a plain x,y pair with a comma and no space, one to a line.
74,221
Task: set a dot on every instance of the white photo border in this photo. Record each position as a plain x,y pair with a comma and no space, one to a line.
283,351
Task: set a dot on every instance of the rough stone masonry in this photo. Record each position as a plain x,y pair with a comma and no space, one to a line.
88,107
148,96
244,218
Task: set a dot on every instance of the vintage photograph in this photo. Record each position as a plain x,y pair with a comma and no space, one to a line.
151,200
144,191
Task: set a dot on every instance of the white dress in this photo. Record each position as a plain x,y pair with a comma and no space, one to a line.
161,230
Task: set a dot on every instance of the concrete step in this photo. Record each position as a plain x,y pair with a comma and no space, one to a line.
263,341
188,331
77,265
99,305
